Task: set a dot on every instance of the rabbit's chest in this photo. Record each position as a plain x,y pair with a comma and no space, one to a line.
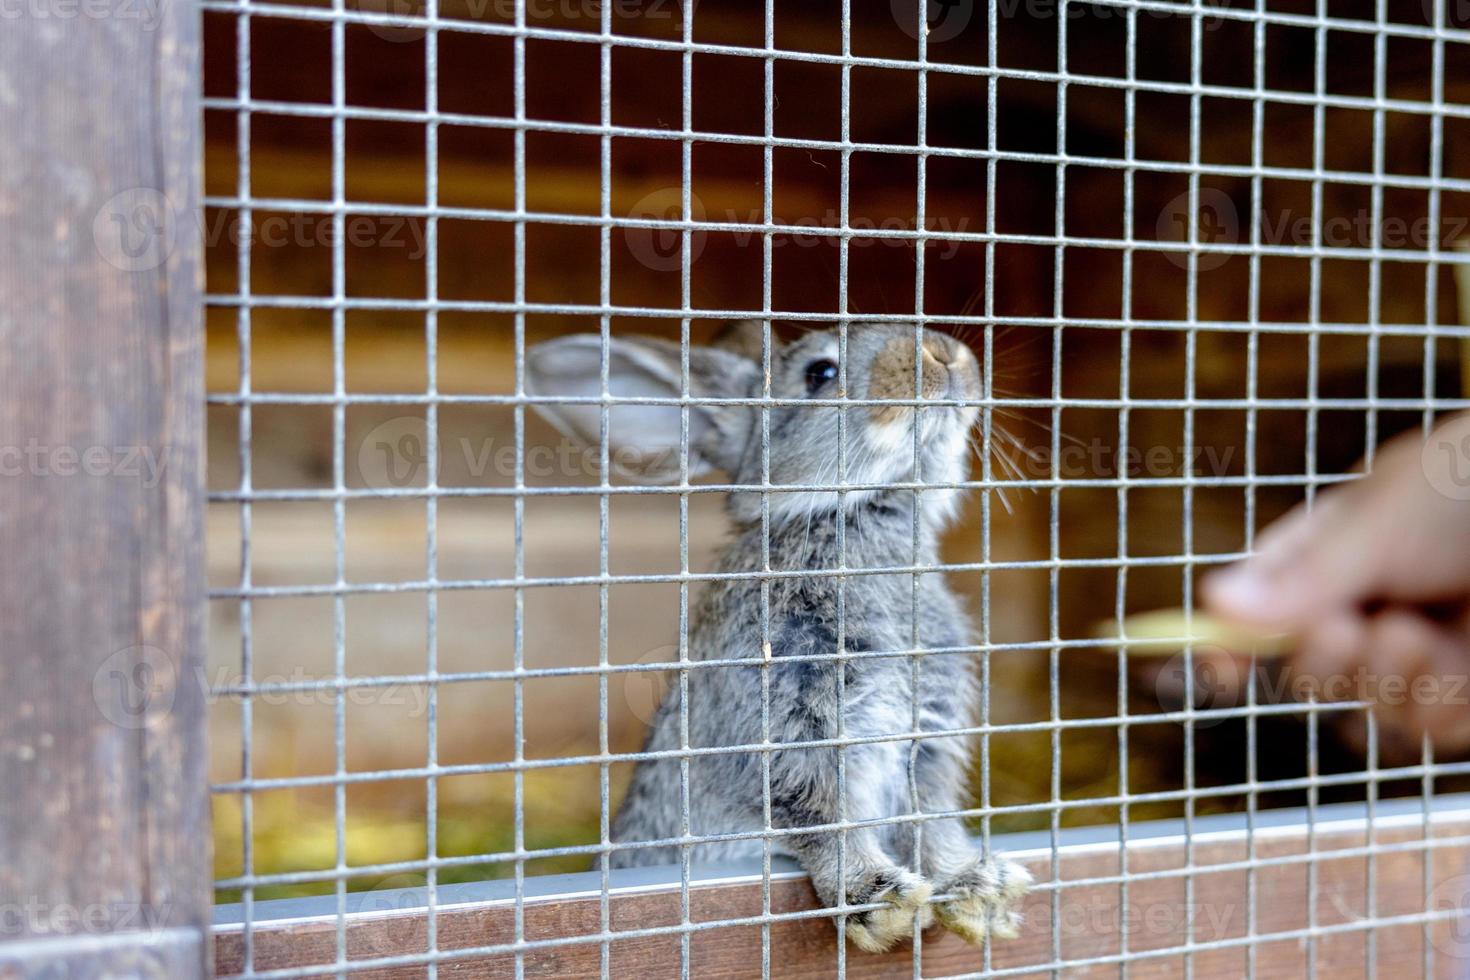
878,612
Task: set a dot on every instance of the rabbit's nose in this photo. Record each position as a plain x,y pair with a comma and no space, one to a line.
938,351
942,349
947,371
949,368
936,375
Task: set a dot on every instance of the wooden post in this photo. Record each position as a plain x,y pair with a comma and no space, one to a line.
104,842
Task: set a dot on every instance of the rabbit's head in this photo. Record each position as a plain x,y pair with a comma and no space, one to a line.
882,446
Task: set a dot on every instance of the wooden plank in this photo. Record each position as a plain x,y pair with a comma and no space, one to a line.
1159,919
103,819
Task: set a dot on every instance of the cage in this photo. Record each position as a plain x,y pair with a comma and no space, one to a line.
1203,259
1126,210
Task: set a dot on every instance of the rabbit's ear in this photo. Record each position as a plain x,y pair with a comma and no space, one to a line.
746,338
644,440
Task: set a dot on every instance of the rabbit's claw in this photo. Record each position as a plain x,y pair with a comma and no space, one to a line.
907,909
983,900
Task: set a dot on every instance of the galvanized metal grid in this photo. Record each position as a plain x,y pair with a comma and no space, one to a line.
336,18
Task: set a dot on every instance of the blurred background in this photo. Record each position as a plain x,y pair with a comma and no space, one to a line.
1366,349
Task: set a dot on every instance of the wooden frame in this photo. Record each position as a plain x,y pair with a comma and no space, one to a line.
104,813
104,822
1158,911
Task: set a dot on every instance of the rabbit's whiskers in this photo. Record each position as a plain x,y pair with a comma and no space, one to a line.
999,441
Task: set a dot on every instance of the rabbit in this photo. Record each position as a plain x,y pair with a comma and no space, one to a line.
977,895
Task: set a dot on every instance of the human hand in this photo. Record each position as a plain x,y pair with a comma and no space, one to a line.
1374,584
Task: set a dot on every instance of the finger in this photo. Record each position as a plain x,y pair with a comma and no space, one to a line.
1442,697
1286,534
1395,648
1309,564
1415,668
1330,648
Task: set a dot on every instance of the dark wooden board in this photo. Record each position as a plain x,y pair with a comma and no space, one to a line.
103,814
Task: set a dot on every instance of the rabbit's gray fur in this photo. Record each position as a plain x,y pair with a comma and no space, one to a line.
878,528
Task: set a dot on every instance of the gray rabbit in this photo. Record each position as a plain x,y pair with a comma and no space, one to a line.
976,895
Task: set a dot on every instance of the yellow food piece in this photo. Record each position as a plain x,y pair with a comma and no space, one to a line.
1168,631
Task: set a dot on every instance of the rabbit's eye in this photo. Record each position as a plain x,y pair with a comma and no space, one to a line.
818,373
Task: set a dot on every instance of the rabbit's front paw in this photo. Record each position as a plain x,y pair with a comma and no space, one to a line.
983,900
907,907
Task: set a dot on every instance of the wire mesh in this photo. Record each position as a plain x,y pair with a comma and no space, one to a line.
1150,368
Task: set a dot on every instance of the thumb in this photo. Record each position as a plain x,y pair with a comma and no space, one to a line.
1308,564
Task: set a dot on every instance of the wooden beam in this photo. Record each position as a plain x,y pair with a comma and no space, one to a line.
103,816
1162,920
